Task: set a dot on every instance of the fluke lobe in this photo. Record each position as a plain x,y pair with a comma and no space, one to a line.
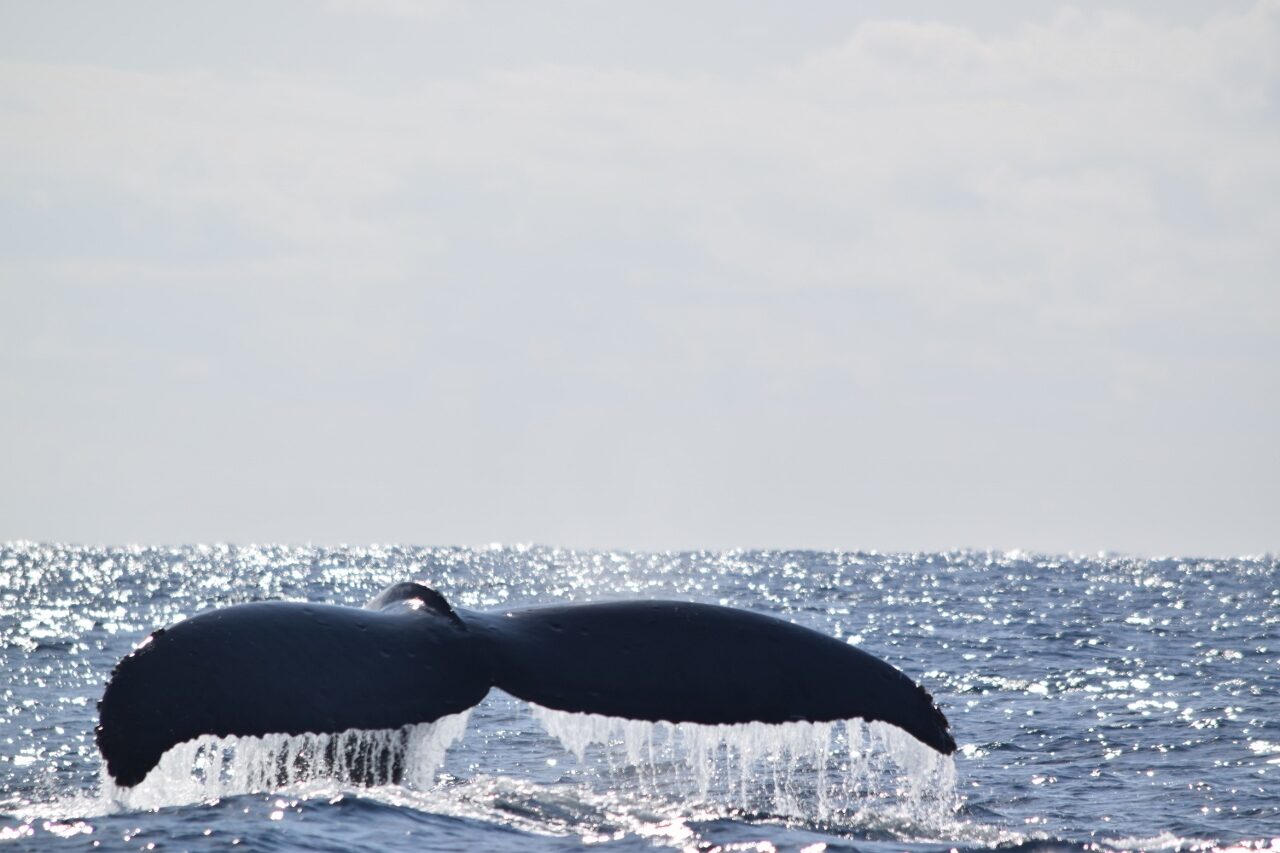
408,657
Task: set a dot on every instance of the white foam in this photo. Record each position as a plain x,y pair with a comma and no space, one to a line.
209,768
813,770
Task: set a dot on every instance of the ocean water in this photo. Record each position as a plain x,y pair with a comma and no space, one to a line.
1099,703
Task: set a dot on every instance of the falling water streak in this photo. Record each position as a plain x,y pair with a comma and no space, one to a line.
800,769
209,768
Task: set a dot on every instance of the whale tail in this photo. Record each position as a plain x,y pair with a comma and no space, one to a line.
699,663
294,668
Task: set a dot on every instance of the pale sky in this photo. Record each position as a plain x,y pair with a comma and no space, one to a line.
642,275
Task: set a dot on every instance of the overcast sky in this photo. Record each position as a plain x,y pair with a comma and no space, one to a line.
642,275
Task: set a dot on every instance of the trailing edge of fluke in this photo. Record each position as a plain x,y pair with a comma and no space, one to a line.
409,657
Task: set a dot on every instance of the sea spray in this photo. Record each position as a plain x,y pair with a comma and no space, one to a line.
208,768
797,769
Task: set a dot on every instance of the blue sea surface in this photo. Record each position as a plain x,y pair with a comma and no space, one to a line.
1099,703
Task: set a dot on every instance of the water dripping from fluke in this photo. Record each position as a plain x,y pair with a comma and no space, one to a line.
209,768
822,772
838,774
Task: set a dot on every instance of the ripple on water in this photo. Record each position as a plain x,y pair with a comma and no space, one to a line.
1098,700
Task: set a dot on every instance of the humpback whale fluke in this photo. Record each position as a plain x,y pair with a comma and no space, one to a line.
409,657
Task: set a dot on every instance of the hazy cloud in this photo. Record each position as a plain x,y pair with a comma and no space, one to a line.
918,284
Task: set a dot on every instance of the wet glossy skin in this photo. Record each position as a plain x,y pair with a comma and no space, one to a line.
291,668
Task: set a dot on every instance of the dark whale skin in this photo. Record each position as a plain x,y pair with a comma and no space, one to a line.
699,663
408,657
